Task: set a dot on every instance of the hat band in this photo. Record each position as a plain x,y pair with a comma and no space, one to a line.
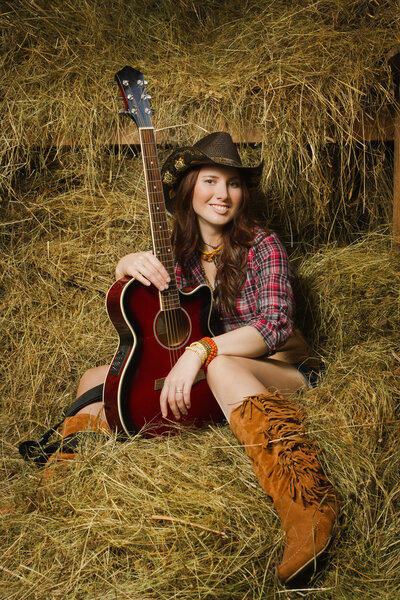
225,161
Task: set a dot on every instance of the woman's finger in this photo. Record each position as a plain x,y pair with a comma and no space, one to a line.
168,400
174,407
180,401
152,275
164,403
186,397
140,277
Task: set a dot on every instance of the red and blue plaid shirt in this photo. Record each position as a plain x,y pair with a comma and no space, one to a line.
266,301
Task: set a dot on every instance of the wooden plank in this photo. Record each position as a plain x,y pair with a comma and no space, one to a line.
394,61
127,134
371,129
396,180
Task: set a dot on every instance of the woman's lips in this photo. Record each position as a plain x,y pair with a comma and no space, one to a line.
221,209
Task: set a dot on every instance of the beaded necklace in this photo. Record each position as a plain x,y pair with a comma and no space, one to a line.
211,255
208,282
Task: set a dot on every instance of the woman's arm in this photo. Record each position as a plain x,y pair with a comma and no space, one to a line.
245,341
271,292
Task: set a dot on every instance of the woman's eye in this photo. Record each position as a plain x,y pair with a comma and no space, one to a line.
234,184
209,180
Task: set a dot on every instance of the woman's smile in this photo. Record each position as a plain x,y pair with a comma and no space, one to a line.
221,209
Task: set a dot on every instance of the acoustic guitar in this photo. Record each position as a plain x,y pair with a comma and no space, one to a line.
154,327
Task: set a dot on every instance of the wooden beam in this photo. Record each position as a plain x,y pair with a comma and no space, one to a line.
394,61
127,134
371,129
396,178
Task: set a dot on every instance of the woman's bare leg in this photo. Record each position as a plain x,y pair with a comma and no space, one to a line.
89,380
233,378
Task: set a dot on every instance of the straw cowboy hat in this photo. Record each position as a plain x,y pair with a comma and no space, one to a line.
216,148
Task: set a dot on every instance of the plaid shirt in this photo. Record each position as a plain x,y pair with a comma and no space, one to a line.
266,301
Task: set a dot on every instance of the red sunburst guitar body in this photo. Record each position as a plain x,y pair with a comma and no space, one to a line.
146,354
154,327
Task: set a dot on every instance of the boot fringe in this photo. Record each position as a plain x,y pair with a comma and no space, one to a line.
297,457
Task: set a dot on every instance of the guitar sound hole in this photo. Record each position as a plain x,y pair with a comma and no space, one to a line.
172,328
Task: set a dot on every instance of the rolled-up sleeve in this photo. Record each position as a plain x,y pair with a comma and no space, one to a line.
270,282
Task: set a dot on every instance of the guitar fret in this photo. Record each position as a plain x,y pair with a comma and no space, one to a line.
158,216
170,291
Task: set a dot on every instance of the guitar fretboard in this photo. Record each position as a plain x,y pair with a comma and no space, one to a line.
158,216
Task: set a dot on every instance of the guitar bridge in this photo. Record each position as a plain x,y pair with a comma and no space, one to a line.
158,383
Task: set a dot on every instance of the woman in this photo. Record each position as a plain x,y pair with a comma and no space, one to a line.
207,189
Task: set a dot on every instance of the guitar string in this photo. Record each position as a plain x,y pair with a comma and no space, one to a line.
170,316
170,326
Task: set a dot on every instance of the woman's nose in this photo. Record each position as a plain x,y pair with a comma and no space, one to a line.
222,191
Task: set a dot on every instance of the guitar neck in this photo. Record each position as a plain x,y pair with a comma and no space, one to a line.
162,247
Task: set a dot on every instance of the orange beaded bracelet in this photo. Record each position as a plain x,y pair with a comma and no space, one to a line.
213,349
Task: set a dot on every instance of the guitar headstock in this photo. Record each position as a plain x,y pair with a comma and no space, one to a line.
132,86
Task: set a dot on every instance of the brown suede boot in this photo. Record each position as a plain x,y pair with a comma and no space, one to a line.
285,462
58,461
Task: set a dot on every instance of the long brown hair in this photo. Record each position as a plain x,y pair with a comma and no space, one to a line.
237,237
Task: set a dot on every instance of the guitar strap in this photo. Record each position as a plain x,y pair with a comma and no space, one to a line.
39,451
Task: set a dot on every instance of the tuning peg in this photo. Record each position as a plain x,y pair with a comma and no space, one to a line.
124,111
147,111
125,82
141,82
145,97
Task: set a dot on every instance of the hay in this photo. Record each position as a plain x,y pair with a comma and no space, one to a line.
311,76
73,204
95,534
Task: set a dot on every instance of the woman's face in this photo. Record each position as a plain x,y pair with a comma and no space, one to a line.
217,196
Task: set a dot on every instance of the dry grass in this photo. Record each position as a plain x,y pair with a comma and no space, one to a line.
309,75
94,536
68,214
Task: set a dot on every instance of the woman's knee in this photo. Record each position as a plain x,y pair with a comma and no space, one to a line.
91,378
221,366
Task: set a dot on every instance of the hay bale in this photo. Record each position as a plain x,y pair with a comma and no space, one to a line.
184,516
309,76
73,205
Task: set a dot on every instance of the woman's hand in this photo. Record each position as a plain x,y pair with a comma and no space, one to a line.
178,384
145,267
